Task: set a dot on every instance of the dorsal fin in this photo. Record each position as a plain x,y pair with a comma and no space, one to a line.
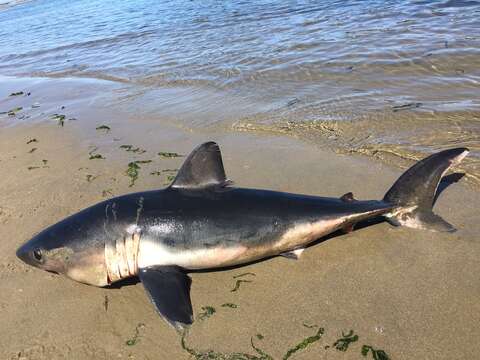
202,168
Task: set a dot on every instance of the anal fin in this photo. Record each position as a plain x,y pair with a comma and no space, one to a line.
168,288
293,254
348,228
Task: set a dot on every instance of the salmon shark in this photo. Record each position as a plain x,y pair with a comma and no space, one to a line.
201,221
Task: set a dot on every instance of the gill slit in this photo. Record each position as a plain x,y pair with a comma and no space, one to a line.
121,256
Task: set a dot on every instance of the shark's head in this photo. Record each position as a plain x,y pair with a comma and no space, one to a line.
70,247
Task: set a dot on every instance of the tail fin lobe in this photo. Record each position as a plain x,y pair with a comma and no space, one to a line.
413,193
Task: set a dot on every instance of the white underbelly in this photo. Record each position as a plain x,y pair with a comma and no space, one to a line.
153,253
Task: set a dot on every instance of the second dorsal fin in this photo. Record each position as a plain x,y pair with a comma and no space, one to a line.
348,197
202,168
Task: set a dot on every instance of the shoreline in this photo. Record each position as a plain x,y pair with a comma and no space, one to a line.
410,293
357,137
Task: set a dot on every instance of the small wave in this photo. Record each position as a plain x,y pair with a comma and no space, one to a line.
80,45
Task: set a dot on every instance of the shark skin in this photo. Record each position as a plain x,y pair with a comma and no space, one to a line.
202,222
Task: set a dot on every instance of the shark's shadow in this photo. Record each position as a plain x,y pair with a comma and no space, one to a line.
444,183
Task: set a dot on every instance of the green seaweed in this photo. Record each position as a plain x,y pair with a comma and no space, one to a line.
130,148
304,343
237,284
212,355
18,93
161,172
165,154
343,343
406,106
230,305
31,141
60,118
38,167
263,354
207,311
244,274
32,150
90,177
103,127
132,172
13,112
377,354
169,179
136,337
96,156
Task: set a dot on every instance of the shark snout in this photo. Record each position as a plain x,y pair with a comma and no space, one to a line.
25,253
31,253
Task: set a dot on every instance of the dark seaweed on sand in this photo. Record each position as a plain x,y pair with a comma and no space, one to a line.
346,339
60,118
94,156
406,106
304,343
130,148
237,284
207,311
103,127
230,305
211,354
136,336
133,170
244,274
13,112
169,154
377,354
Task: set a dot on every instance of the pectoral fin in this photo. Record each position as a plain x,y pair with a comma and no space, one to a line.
168,288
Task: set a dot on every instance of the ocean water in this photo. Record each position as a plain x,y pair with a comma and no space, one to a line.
379,77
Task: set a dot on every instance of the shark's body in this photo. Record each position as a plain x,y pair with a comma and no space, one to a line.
200,222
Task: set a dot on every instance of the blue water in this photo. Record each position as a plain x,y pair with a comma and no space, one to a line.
266,51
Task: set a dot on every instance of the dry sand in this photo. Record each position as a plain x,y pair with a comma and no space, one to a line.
414,294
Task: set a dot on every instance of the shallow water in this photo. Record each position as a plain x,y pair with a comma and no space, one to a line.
374,70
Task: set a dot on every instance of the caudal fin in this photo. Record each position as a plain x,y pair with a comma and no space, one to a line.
413,193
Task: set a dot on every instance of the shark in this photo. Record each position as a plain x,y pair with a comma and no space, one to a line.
202,221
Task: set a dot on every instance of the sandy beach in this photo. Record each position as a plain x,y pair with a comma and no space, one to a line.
412,294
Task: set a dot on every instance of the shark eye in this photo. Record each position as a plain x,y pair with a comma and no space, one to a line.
37,254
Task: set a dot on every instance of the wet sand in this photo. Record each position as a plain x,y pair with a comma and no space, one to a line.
413,294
